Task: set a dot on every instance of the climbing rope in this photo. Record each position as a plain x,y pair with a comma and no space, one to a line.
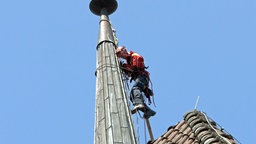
138,114
125,79
151,84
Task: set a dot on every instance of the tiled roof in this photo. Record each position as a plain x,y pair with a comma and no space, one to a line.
195,128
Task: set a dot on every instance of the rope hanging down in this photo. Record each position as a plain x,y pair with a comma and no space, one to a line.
125,79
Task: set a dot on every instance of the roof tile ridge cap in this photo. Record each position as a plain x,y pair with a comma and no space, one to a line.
190,114
193,118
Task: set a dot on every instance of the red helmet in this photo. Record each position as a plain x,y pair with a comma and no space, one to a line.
120,49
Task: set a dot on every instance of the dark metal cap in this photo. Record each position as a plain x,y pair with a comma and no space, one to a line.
97,5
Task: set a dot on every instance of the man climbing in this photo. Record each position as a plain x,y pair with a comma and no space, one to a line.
135,69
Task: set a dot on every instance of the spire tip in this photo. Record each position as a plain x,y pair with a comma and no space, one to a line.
97,5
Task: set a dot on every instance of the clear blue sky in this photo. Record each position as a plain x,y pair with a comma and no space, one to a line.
193,48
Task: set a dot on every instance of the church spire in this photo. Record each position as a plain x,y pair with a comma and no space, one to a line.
113,122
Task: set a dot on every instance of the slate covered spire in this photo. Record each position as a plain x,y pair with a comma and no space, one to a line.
113,122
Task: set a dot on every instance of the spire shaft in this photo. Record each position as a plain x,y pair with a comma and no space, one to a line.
113,122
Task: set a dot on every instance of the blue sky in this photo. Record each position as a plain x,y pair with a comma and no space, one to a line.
192,48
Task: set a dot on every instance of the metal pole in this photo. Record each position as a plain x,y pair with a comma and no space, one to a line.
149,130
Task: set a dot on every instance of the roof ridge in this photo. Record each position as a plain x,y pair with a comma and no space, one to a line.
205,129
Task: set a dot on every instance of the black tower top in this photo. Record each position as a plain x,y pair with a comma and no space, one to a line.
97,5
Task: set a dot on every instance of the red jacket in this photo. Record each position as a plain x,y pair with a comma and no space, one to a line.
135,63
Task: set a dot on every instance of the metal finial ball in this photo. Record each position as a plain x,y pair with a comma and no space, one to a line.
97,5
